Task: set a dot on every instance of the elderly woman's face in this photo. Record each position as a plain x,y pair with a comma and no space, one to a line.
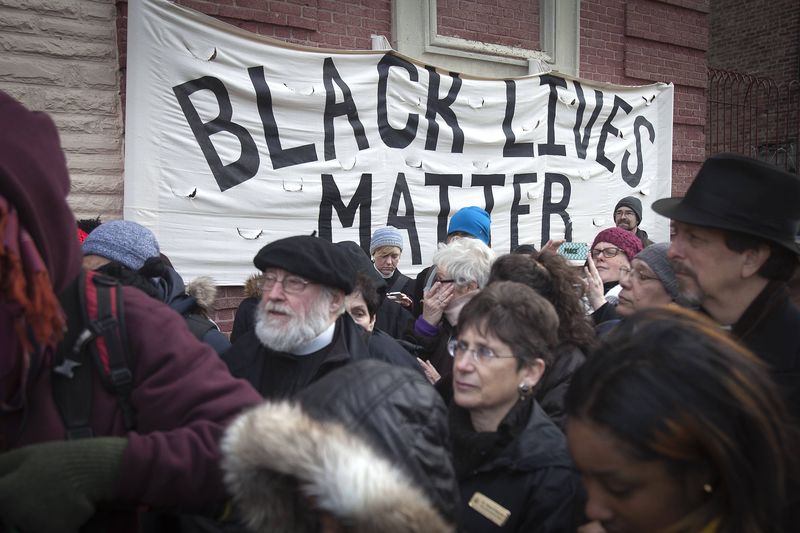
443,277
641,289
624,494
487,385
608,265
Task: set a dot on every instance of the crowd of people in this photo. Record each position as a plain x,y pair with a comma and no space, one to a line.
652,388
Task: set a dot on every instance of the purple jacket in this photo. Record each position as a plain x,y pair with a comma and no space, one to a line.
183,395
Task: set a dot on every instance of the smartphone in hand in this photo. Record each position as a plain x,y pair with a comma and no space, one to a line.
574,251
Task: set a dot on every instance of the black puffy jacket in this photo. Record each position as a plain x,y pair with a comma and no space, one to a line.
532,477
368,442
401,414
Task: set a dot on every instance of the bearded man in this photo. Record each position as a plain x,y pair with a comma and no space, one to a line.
628,216
301,332
733,250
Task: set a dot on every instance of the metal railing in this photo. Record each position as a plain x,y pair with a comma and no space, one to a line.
754,116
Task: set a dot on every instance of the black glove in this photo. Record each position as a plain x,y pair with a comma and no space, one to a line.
53,486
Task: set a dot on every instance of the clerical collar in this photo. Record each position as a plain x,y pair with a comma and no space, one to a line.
317,343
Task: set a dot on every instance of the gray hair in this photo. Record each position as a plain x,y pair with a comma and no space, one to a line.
465,260
329,293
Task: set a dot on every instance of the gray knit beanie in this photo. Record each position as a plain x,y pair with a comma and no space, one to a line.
386,236
123,241
633,203
655,256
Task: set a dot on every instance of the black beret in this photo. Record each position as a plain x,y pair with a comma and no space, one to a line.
312,258
362,263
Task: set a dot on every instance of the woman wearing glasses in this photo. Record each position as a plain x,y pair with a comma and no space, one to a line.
551,276
649,282
461,269
511,461
609,259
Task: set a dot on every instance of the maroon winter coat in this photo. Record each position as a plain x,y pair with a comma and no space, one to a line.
183,395
183,392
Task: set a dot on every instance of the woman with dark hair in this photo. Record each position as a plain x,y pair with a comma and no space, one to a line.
551,276
511,460
676,427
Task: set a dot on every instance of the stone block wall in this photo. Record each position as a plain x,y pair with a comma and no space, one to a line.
60,56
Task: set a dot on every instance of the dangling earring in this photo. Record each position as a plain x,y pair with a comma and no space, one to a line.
707,488
524,391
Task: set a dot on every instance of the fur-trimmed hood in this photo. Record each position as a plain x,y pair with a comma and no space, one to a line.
253,287
282,459
204,291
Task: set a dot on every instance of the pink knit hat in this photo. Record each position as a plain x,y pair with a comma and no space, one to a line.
623,239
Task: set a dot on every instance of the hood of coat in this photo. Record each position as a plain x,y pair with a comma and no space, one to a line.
253,287
277,448
34,179
204,291
375,461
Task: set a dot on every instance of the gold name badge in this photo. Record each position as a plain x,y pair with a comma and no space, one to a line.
489,509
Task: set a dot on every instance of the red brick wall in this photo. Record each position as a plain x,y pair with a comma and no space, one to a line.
342,24
506,22
645,41
758,37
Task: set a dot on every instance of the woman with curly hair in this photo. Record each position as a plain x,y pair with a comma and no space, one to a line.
676,427
552,277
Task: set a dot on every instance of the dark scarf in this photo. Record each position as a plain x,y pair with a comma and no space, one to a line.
131,278
471,448
774,295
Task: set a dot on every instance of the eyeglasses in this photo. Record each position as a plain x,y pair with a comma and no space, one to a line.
637,274
290,284
621,213
481,354
445,280
609,252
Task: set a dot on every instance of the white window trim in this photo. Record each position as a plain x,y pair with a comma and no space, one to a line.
414,23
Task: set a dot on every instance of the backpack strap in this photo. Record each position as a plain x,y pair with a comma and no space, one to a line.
71,378
95,337
106,325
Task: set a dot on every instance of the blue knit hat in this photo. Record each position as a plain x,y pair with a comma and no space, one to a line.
474,221
123,241
386,236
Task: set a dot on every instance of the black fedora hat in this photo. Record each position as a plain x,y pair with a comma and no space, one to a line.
737,193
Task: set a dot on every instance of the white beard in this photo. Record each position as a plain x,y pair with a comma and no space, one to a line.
295,329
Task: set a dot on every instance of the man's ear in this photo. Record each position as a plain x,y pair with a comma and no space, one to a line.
337,302
754,259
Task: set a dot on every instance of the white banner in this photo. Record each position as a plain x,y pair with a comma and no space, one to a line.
234,140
